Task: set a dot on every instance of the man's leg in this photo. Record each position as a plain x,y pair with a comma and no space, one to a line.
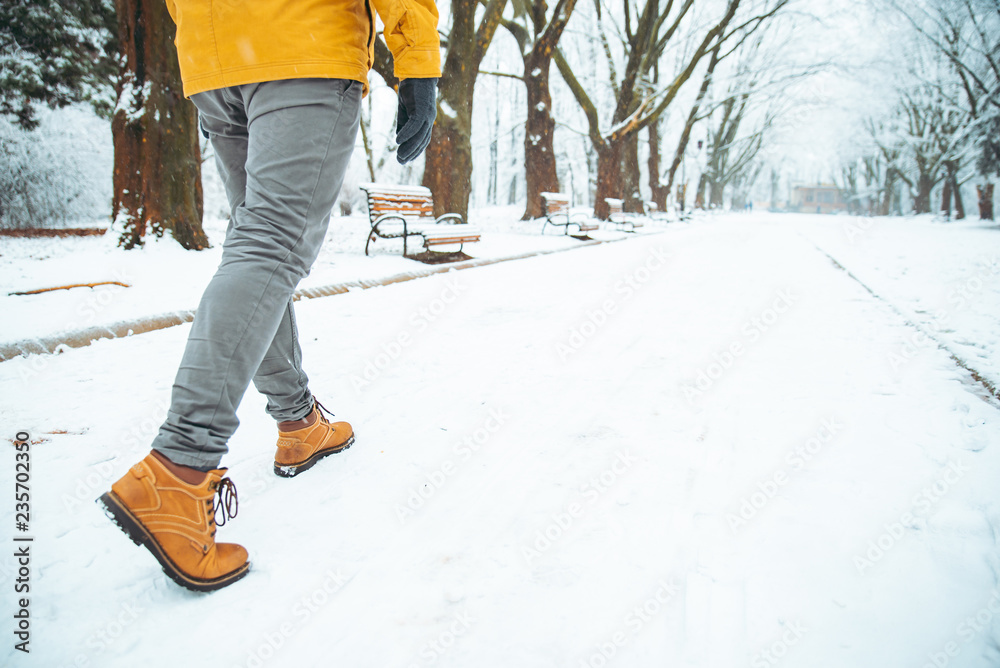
297,142
300,136
280,376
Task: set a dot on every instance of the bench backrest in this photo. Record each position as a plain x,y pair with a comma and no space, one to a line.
555,203
407,201
616,209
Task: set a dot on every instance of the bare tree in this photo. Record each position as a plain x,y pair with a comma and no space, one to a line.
967,34
644,36
887,160
537,31
694,115
745,111
731,155
932,135
448,162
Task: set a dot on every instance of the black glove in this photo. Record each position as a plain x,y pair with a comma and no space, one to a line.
417,110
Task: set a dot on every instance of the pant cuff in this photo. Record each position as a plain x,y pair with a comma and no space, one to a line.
197,461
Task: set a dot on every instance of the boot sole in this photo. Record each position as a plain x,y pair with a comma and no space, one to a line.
292,470
118,513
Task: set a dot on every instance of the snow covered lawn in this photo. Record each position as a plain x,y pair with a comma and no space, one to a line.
695,448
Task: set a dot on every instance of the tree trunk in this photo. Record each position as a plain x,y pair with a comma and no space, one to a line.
699,195
448,165
946,198
959,204
157,174
618,175
369,155
889,194
952,189
985,193
657,191
539,131
775,183
609,177
922,199
448,161
715,193
681,148
631,175
692,117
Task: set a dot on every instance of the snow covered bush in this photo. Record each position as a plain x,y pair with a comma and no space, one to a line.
58,175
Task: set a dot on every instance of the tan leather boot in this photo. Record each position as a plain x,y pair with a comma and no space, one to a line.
309,440
176,522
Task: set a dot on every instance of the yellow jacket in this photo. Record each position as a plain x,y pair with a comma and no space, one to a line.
224,43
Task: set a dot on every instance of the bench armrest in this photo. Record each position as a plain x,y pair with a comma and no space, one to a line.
450,216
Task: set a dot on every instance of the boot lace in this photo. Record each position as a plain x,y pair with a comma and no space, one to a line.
228,503
324,412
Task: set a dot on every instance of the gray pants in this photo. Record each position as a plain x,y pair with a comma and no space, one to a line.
282,148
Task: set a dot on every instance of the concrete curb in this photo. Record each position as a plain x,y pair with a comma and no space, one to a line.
84,337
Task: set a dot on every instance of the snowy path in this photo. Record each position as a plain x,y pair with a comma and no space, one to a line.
943,276
688,449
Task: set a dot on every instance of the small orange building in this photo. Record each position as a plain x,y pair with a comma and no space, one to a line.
821,198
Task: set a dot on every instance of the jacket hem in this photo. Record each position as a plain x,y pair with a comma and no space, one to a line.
275,72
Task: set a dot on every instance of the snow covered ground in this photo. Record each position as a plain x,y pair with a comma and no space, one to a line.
943,276
705,447
166,278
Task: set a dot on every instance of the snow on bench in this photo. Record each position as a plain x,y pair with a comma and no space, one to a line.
557,212
404,211
618,217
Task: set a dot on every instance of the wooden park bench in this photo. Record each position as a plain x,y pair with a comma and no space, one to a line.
618,217
401,212
557,212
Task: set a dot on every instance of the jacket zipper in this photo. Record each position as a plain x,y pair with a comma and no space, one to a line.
371,33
